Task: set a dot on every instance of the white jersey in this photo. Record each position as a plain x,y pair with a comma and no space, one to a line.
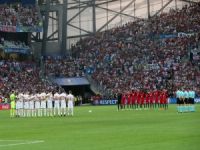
18,104
31,102
49,101
70,102
26,104
56,100
43,100
63,100
37,101
21,101
26,101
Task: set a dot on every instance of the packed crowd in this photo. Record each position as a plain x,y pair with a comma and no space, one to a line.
63,67
22,77
7,16
28,16
13,44
136,57
16,14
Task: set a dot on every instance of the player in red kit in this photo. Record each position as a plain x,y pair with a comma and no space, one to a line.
129,101
150,100
133,98
123,102
165,100
156,97
137,100
145,100
141,99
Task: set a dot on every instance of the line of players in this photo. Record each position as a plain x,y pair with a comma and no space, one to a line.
139,100
185,101
44,104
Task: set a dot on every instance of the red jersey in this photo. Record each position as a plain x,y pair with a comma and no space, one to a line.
138,98
133,97
151,98
156,96
129,98
147,98
164,98
123,102
142,97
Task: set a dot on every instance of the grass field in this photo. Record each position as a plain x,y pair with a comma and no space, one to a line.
103,129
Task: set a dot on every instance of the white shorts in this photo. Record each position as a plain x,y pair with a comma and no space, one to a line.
37,105
21,104
70,104
63,104
49,104
31,103
43,104
26,105
17,105
57,104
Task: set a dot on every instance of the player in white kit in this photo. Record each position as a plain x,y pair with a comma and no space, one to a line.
70,103
17,106
56,104
26,105
37,105
31,104
43,103
21,104
49,104
63,97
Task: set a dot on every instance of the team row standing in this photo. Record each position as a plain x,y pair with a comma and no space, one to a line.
185,100
139,100
42,104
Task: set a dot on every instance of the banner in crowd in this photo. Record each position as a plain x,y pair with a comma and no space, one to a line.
165,36
4,106
8,28
38,28
24,2
180,34
17,50
35,28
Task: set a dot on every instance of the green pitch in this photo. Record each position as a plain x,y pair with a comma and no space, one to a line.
103,129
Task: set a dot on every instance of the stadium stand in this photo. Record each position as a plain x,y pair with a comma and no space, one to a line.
22,76
156,54
145,54
15,17
63,67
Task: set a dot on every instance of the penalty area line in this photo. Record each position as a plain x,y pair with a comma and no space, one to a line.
21,143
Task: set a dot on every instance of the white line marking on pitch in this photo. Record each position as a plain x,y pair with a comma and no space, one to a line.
11,140
22,143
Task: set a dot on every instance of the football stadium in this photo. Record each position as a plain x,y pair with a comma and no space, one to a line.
99,74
